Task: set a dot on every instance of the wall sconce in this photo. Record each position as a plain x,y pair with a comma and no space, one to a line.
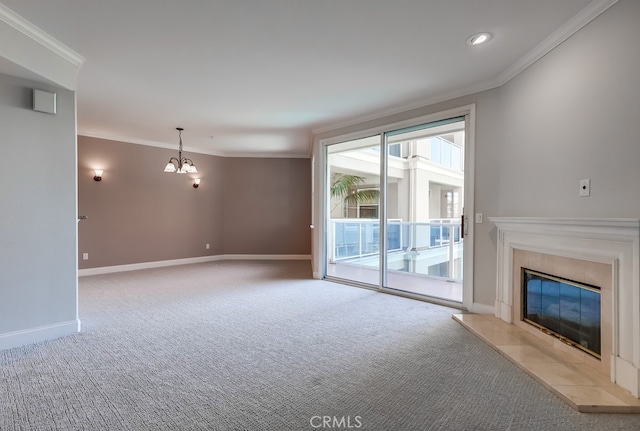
196,183
98,175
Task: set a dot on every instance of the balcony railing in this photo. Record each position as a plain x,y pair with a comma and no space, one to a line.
433,248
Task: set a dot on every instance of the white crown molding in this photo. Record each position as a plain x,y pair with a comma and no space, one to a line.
136,141
25,27
37,52
582,18
483,86
272,155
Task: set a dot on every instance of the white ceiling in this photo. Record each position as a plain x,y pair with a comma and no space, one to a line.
256,77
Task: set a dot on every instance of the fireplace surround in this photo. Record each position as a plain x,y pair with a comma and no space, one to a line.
601,252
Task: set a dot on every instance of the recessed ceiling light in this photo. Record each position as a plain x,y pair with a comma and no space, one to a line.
479,38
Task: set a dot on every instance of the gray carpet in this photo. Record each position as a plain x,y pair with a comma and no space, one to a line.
262,346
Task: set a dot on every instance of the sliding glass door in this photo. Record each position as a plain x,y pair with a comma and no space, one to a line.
353,228
424,196
394,205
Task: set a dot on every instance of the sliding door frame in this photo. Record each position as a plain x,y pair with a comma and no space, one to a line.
320,202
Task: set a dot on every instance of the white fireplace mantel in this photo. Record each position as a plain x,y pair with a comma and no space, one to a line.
614,241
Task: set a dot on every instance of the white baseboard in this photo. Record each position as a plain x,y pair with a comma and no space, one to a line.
146,265
174,262
482,308
266,257
626,375
34,335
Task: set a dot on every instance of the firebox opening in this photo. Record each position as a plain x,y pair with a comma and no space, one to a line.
563,308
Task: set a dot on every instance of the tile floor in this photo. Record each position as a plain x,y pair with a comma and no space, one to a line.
581,386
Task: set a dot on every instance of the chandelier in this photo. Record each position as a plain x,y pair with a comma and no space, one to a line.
180,165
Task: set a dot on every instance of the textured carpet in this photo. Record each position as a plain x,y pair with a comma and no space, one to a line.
262,346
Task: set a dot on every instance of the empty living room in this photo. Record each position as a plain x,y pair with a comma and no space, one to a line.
305,215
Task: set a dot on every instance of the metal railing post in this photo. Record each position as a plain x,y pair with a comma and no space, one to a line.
360,239
333,243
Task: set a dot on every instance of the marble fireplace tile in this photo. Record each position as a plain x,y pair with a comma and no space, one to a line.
590,399
476,318
583,271
555,373
598,274
525,353
506,338
490,327
573,355
623,395
563,374
601,252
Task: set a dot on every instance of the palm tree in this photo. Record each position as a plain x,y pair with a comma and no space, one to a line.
346,187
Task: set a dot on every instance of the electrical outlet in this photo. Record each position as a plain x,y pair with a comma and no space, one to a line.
207,246
585,187
85,256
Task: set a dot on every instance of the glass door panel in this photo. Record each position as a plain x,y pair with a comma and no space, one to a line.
353,201
424,197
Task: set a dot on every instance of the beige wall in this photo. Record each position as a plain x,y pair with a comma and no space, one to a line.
138,213
267,206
